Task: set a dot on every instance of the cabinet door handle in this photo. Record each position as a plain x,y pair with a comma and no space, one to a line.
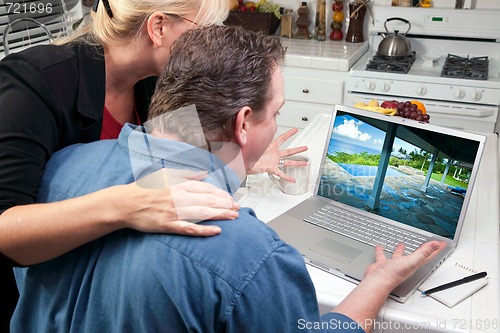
305,91
304,119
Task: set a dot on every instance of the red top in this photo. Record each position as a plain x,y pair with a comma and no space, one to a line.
111,127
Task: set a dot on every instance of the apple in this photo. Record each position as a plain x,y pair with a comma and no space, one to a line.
390,104
337,6
336,34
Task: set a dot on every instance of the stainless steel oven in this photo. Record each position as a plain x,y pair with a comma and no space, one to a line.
460,97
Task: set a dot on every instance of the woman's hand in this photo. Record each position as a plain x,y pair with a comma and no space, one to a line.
27,232
173,204
270,160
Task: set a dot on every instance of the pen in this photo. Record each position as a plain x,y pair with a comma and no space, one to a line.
455,283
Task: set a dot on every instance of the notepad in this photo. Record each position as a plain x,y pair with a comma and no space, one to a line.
453,296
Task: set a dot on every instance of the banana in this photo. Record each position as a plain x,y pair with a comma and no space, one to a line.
373,108
260,3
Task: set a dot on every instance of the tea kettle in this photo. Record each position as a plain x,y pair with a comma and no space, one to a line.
395,44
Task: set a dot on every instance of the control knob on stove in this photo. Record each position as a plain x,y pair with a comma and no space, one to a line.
459,93
476,95
370,85
421,91
385,86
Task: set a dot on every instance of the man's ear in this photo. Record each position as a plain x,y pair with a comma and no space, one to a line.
156,26
242,125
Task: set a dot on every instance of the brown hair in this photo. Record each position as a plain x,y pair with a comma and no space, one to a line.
219,69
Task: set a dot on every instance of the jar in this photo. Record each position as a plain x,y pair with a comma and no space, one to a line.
357,10
406,3
287,23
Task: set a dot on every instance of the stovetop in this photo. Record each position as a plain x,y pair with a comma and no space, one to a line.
391,64
475,68
423,70
459,67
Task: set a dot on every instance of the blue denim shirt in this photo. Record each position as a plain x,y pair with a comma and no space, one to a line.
244,280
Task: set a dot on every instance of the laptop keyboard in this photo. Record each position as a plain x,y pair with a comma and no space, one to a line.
364,230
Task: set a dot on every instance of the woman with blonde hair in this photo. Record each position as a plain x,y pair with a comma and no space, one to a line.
84,89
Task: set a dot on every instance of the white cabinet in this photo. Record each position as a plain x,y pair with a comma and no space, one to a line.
315,78
309,92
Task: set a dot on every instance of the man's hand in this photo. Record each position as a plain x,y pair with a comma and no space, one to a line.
365,301
270,160
395,270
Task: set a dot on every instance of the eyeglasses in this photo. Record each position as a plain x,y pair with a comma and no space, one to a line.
182,18
106,7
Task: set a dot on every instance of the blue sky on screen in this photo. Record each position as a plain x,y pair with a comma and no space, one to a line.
350,129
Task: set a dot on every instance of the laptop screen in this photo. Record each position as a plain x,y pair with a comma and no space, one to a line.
411,173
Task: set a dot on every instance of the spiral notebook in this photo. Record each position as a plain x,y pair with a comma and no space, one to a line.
453,296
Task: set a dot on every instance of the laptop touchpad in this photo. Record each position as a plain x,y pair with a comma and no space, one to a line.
335,250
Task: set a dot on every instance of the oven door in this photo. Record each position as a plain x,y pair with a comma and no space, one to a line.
469,117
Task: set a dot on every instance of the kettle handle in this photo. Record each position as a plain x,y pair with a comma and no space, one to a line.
397,19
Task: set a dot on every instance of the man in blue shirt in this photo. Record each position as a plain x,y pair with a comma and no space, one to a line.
244,280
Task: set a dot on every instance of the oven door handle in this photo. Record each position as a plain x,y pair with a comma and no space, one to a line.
460,111
433,107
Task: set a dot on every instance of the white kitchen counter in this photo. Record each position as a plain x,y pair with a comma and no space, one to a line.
328,55
478,248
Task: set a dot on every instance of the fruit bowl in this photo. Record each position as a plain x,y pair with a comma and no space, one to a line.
265,22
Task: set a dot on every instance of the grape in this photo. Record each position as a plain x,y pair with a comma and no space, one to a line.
410,110
269,7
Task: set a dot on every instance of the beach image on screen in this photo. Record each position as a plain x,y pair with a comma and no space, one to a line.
406,174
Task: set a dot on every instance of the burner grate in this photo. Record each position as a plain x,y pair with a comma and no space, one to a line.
465,68
391,64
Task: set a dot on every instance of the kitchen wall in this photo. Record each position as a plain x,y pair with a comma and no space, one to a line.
294,4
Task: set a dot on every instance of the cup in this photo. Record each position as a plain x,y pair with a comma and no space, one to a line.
299,173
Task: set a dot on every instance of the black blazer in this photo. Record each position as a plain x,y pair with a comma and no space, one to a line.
50,97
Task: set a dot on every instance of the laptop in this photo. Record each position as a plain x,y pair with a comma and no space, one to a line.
383,180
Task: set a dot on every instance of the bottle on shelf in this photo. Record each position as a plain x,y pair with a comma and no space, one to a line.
320,32
357,10
302,22
287,23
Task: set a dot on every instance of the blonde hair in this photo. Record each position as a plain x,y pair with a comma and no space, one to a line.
130,15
